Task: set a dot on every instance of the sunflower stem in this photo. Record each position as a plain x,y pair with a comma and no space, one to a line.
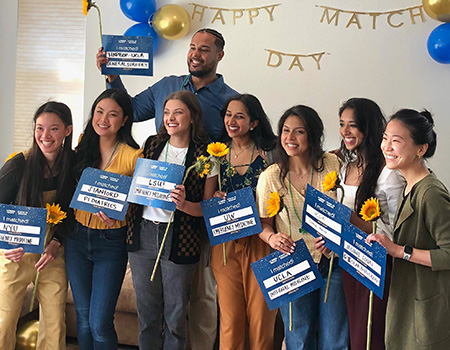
33,296
290,303
290,317
343,194
369,317
158,258
101,30
330,270
224,250
369,321
48,228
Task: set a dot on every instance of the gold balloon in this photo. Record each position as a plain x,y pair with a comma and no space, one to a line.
27,335
437,9
171,22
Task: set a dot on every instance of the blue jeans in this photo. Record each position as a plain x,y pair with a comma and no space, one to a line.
319,325
96,261
161,304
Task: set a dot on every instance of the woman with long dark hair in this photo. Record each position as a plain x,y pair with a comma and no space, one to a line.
250,137
96,255
34,178
418,307
302,161
162,303
363,176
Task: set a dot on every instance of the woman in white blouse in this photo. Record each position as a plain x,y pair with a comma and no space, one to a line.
365,175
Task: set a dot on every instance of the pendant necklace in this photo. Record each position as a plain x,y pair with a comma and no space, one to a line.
238,154
231,170
112,153
176,155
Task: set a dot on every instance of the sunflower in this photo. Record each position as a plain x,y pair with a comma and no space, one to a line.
205,170
330,182
202,166
12,155
370,210
274,204
54,214
87,4
217,149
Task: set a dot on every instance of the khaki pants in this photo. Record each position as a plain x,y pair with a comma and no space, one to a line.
203,303
51,293
241,301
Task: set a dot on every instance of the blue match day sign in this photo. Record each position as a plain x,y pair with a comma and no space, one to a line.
324,216
284,278
100,190
152,182
128,55
364,261
231,218
22,227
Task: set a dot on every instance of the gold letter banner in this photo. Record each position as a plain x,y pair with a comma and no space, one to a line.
276,58
220,14
394,18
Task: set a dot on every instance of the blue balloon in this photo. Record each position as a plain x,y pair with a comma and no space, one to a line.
138,10
439,44
143,29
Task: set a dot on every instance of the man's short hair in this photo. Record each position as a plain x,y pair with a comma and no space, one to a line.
219,40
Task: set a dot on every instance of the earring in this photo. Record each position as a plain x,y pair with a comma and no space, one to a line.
251,129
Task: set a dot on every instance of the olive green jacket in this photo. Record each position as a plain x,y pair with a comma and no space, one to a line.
418,311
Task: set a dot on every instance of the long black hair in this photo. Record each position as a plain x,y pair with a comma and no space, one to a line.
198,132
32,184
371,123
88,150
420,126
262,134
314,131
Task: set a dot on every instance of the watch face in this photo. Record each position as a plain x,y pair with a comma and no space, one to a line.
407,251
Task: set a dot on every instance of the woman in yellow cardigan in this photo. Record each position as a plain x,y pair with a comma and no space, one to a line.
96,256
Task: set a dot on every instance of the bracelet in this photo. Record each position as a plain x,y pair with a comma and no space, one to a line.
268,238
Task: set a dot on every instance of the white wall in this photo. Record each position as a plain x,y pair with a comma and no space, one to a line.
389,65
8,39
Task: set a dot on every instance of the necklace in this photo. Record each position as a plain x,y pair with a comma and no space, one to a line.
231,170
292,197
110,157
175,155
242,151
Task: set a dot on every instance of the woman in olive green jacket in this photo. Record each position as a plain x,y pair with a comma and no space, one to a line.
418,311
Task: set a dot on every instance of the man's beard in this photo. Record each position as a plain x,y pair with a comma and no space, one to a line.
202,72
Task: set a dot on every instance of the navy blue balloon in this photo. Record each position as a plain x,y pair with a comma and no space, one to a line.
143,29
439,44
138,10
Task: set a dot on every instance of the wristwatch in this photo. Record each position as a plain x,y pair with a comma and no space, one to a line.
407,252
